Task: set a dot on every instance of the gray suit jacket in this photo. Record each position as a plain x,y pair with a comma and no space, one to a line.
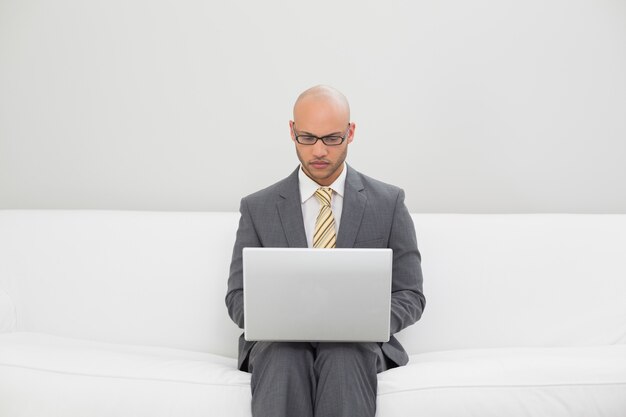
373,216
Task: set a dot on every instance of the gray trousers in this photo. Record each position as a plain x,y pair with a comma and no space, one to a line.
315,379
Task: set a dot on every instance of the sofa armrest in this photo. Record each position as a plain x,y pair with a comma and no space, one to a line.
8,316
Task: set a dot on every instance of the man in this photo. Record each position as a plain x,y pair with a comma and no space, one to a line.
349,210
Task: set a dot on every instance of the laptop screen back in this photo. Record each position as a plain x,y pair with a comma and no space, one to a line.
303,294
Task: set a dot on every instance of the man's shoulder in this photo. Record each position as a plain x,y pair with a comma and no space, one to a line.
374,185
272,191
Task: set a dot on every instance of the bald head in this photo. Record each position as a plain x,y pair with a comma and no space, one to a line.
324,100
322,112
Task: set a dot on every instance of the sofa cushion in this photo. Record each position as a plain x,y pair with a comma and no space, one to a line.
555,382
7,312
48,375
39,372
527,280
130,277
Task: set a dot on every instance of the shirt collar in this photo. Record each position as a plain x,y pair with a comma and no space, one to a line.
308,186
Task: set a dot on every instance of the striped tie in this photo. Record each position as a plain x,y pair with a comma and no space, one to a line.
324,235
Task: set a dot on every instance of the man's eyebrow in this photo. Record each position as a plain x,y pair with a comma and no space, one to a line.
305,133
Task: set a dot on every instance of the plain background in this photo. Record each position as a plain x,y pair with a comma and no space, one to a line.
471,106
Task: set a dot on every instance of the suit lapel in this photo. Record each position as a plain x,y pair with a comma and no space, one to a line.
290,212
354,201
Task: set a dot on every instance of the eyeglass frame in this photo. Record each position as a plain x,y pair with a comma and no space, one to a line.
343,138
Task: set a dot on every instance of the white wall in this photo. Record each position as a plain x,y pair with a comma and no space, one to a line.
471,106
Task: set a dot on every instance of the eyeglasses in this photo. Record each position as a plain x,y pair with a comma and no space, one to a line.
330,140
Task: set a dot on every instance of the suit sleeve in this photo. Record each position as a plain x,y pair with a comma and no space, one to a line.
407,297
246,237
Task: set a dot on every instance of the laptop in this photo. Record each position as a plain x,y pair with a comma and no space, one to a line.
317,295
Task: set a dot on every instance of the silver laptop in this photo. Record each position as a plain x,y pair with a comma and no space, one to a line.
300,294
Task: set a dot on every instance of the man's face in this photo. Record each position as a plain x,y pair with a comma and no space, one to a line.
320,117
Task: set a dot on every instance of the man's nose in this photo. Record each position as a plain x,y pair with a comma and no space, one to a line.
319,149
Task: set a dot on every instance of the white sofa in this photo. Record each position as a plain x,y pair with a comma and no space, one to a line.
121,313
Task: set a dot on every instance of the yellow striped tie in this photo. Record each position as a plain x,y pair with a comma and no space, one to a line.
324,235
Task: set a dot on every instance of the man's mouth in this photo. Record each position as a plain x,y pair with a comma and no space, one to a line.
319,164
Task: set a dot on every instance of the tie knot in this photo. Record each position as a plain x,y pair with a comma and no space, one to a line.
323,195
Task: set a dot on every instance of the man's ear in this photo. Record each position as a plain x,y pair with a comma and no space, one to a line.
291,124
351,133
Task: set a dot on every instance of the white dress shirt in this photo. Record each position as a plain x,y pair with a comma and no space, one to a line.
310,205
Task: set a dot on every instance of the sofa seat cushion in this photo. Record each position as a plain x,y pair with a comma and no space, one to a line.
569,381
42,374
55,376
